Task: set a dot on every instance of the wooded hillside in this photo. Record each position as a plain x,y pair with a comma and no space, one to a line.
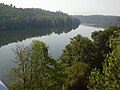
19,18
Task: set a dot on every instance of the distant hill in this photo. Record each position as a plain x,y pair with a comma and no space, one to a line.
19,18
99,20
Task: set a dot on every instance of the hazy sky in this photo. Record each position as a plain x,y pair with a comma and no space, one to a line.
103,7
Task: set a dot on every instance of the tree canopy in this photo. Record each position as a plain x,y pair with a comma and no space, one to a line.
80,49
109,79
36,70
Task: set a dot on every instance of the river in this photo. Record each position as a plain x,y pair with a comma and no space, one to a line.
55,41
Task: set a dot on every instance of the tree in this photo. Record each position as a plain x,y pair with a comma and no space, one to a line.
35,70
20,77
77,58
109,79
101,41
80,49
77,77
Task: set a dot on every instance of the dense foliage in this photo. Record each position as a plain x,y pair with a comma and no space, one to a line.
80,49
99,20
36,70
101,41
77,76
19,18
109,79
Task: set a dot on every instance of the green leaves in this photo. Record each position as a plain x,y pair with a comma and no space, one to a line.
77,76
80,49
109,79
35,69
77,58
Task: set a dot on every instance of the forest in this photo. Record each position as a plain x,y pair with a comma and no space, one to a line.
12,18
83,65
99,20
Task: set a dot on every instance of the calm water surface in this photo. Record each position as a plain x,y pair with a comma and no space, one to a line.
56,43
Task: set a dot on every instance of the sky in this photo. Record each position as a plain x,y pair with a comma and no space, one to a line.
72,7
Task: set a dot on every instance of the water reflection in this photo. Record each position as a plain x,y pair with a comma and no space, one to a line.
55,39
9,36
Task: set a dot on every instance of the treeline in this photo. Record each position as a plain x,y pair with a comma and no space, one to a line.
99,20
83,65
19,18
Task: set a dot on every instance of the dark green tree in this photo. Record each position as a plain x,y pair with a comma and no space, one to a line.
80,49
77,77
101,41
78,59
109,79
